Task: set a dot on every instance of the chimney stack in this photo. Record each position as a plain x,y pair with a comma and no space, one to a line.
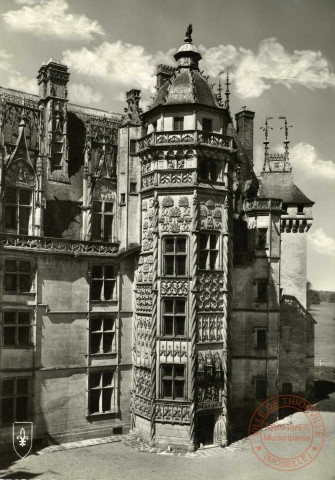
164,72
245,130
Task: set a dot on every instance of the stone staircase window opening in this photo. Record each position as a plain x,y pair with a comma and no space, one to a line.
174,317
17,209
173,381
209,251
174,256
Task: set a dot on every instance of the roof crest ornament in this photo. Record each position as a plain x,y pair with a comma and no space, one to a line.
266,129
188,35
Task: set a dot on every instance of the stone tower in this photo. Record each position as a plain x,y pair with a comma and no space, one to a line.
180,350
277,181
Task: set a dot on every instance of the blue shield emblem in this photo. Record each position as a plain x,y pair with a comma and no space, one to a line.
22,438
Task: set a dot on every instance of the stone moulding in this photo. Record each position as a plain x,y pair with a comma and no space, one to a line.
57,245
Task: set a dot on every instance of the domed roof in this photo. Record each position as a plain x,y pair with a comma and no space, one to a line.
187,86
187,47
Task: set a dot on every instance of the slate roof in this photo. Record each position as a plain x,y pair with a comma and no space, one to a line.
187,86
281,185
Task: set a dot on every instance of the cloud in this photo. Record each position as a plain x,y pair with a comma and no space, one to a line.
83,94
305,159
51,18
254,73
321,242
27,2
20,82
121,64
4,64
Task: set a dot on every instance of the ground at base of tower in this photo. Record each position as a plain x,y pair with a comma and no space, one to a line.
117,459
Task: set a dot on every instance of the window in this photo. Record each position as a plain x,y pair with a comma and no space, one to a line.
18,276
207,124
154,126
300,209
102,395
14,400
133,187
284,208
102,335
262,290
122,199
174,253
178,123
208,251
261,338
16,329
103,213
209,170
103,282
174,316
17,203
173,381
261,385
132,147
262,240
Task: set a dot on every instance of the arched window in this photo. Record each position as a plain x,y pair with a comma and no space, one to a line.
103,211
18,198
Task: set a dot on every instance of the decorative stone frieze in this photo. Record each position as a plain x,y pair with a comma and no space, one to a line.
172,412
210,327
173,351
174,287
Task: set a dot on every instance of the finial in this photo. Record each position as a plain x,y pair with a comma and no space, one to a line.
266,129
286,142
227,106
188,35
219,94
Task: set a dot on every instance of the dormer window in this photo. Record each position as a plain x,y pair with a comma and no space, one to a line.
300,210
102,225
178,123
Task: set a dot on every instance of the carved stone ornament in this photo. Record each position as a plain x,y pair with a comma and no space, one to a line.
175,218
142,407
144,298
172,412
211,213
104,191
174,287
20,174
142,382
210,287
210,327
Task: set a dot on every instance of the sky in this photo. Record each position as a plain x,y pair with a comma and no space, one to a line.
280,54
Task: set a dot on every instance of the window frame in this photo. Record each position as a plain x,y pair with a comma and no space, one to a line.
265,298
102,213
258,386
18,273
14,398
209,164
17,327
177,123
132,190
17,206
132,146
258,343
113,387
217,249
260,238
210,122
103,333
175,316
103,279
173,379
175,255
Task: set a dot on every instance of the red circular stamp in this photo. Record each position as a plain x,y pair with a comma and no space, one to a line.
290,443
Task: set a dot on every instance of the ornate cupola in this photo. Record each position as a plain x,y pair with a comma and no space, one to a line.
187,55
